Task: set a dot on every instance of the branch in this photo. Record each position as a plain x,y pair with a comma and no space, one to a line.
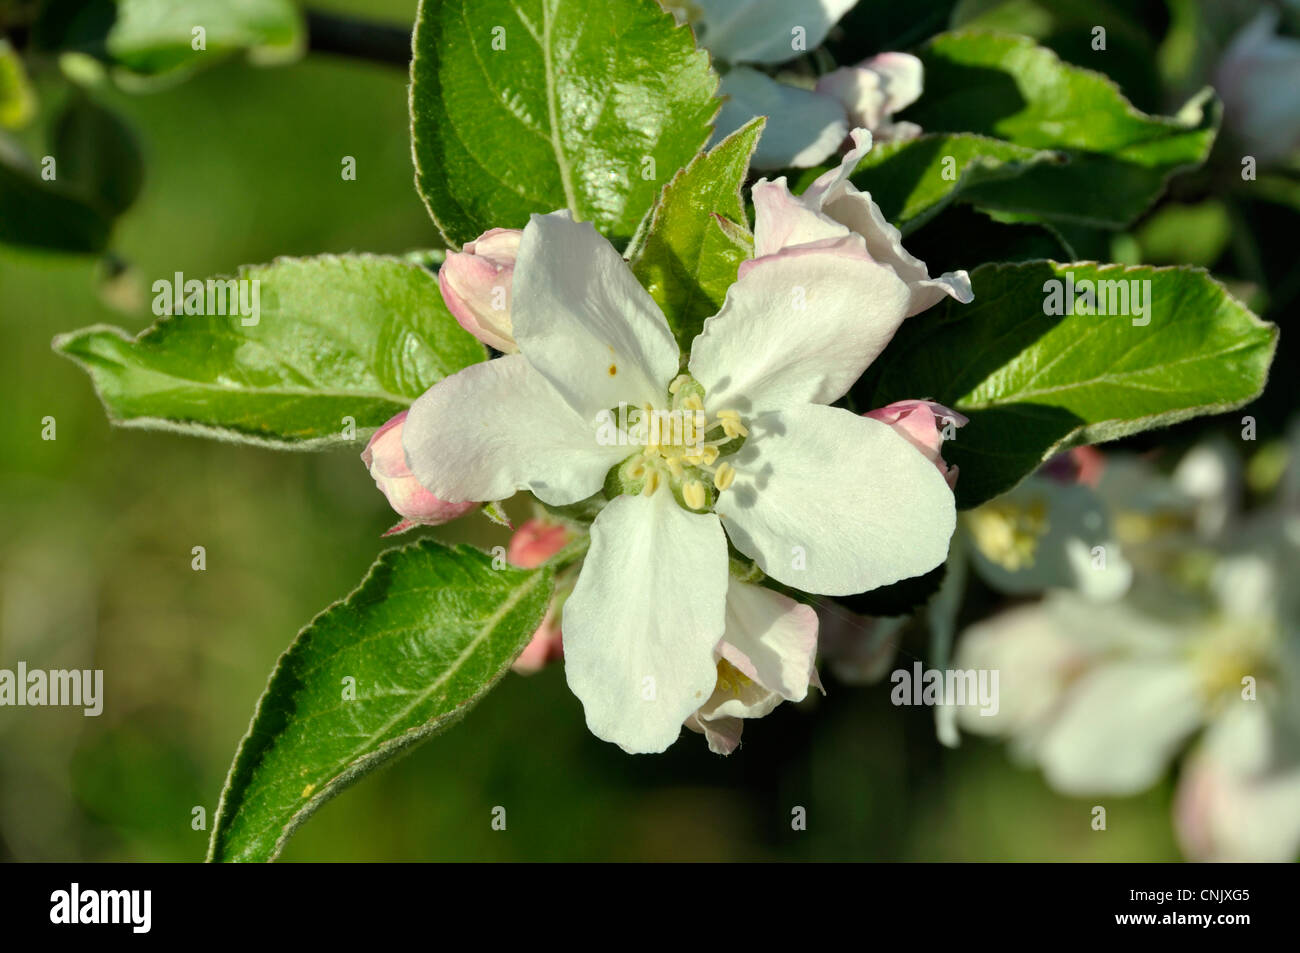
358,39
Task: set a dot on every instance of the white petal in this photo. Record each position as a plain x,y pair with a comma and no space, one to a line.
803,127
902,78
798,327
762,31
722,734
770,638
781,219
1238,797
499,427
847,205
832,503
644,618
1121,725
583,320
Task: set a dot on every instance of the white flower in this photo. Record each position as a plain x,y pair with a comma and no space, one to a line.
804,126
1045,534
1258,78
821,499
874,90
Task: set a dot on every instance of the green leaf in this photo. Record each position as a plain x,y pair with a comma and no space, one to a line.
1068,28
339,345
427,633
699,235
1034,384
17,100
98,155
524,106
43,215
912,180
1009,88
152,37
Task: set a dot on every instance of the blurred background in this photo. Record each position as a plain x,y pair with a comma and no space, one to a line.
98,526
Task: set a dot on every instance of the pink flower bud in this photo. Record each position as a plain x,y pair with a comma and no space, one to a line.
535,542
532,544
547,645
475,284
386,461
921,423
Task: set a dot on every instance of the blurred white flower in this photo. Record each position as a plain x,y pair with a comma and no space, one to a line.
805,126
1258,78
1102,697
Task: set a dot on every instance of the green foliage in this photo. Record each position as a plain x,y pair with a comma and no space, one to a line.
1009,88
338,338
528,106
699,235
407,654
1034,383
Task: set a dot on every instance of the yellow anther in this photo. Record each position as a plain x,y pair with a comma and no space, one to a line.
709,455
675,467
725,476
693,494
693,402
651,483
677,383
731,679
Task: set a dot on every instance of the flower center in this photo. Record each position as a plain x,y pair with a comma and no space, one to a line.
731,679
682,448
1008,532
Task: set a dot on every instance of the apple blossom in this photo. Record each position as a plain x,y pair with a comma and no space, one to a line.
475,284
804,126
1103,696
874,90
821,499
386,461
834,209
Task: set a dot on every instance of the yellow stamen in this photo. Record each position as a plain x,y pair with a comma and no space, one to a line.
693,494
725,476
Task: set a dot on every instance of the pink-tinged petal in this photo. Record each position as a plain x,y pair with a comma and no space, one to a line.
771,639
857,211
861,93
833,205
722,734
386,461
921,422
798,327
781,220
535,542
902,77
834,179
476,286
